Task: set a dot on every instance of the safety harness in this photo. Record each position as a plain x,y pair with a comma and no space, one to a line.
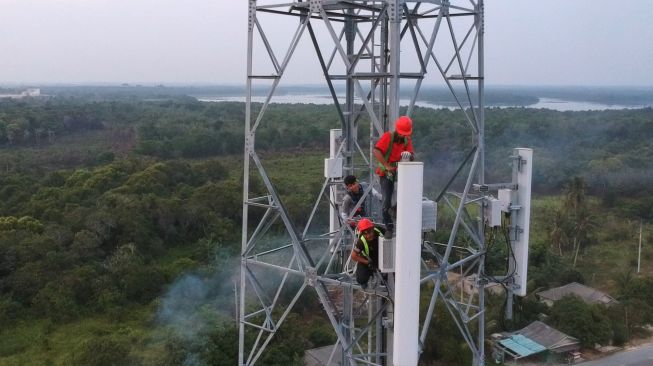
382,168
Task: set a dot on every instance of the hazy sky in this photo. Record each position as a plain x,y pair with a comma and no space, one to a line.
528,42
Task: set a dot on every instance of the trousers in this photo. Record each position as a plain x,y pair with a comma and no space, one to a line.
363,274
387,189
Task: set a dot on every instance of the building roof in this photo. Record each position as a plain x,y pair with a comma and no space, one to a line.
535,338
522,346
588,294
551,338
320,356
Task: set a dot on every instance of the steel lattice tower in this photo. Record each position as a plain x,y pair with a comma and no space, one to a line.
368,49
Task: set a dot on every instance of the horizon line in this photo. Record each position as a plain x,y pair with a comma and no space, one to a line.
311,85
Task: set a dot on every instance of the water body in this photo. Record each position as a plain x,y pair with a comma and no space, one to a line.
565,105
547,103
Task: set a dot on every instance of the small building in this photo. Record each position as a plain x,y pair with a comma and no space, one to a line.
535,341
588,294
468,284
29,92
320,356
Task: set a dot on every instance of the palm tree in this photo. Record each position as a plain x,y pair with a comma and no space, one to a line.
575,194
584,222
624,282
557,233
577,205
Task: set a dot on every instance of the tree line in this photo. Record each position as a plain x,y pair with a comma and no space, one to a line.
105,236
591,144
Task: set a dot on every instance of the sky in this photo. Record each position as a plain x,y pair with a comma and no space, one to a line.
527,42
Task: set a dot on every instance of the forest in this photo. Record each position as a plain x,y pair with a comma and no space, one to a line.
120,222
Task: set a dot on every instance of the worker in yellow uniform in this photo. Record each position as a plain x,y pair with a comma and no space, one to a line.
366,251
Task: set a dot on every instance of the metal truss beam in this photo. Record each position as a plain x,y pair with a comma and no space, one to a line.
359,42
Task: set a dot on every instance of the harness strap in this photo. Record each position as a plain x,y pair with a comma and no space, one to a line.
389,151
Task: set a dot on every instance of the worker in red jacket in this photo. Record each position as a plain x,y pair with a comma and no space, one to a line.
388,151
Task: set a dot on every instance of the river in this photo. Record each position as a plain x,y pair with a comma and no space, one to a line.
547,103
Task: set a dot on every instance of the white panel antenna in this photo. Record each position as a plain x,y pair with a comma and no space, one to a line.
521,217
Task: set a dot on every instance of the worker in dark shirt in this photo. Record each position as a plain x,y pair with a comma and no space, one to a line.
355,190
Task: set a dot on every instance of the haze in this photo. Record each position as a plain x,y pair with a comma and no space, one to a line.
528,42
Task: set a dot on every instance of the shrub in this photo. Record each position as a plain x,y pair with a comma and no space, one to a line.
102,351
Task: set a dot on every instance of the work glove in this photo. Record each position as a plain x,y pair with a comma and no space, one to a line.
406,156
370,264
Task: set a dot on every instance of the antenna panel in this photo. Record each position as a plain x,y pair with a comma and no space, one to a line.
522,217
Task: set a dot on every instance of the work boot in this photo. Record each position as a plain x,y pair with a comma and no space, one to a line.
388,234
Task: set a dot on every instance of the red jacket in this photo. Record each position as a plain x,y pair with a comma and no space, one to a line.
397,148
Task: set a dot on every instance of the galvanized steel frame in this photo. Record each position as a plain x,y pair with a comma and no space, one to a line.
389,23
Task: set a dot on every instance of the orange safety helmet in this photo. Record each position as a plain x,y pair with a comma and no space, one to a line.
404,125
364,224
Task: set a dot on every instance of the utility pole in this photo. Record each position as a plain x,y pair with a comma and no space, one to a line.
639,254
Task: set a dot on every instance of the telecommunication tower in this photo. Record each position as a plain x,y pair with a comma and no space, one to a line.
375,56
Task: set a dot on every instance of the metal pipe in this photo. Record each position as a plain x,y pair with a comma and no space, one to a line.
249,141
480,23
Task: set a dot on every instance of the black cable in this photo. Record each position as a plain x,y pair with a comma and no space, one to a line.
505,230
511,254
386,286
